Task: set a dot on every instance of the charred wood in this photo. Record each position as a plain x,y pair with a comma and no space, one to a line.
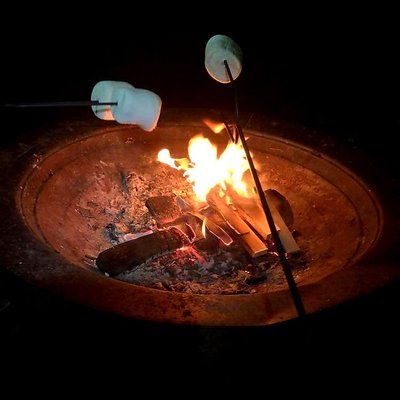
125,256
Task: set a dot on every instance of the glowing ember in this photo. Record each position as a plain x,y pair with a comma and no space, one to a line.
190,250
205,170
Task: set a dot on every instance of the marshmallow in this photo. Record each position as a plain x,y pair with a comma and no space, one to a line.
134,106
107,92
137,106
218,49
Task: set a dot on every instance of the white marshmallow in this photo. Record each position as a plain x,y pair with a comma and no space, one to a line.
135,106
218,49
107,92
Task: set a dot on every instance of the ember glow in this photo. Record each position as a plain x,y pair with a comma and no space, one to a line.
206,170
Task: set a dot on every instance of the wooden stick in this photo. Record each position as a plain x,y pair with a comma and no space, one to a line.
228,129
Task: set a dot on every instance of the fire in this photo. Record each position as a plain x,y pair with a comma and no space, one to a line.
164,156
206,170
216,127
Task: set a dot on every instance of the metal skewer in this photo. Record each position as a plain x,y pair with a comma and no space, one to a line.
275,236
228,129
78,103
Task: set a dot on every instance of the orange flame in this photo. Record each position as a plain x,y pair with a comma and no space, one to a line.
205,170
164,156
216,127
203,228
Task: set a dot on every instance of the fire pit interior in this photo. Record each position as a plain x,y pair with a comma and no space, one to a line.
83,197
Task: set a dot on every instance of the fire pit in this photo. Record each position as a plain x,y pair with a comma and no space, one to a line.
85,186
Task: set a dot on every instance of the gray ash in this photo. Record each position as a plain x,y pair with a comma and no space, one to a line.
225,270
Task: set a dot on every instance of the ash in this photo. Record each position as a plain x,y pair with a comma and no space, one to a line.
192,271
130,216
221,271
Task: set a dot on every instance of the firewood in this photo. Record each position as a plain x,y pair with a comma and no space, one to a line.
219,232
186,228
282,205
230,216
287,239
251,211
213,226
164,209
189,224
252,243
212,221
125,256
209,243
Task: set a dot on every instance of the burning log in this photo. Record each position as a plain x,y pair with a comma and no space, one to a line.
253,244
168,212
228,214
215,228
182,225
251,211
125,256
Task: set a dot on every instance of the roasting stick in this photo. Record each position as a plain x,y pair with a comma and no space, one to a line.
115,101
275,236
78,103
228,129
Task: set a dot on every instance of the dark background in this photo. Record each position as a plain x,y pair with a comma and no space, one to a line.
335,68
332,69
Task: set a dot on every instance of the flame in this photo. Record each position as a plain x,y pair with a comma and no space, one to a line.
205,170
217,231
203,228
216,127
164,156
